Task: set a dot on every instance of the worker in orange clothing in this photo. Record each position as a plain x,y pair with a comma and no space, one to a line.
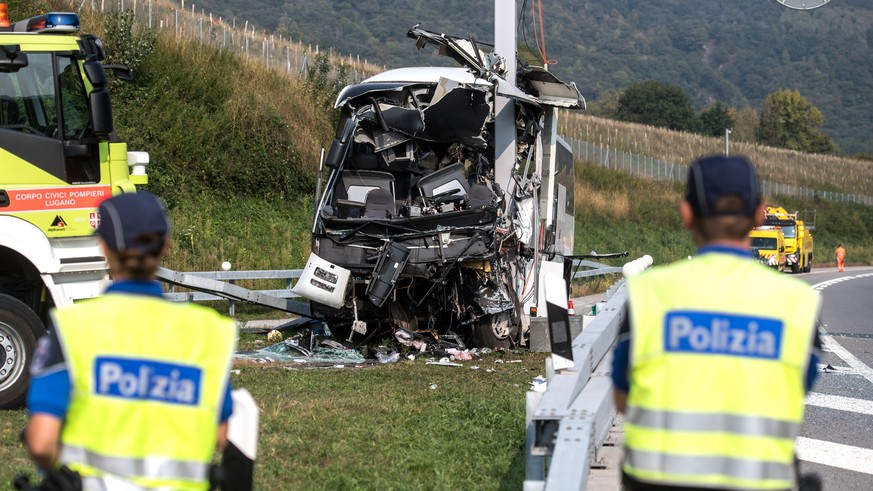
840,255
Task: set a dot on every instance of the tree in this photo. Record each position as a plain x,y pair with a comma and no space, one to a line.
715,119
789,120
746,122
605,106
657,104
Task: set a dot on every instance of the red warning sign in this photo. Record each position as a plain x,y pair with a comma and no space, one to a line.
64,198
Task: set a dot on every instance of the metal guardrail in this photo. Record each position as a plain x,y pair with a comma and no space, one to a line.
593,269
567,424
219,285
231,277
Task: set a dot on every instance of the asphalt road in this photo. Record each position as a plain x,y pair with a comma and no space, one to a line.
837,436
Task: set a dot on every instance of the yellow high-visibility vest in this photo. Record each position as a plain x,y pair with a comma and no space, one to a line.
719,352
148,379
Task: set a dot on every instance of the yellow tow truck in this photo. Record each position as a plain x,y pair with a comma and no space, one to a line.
798,238
768,244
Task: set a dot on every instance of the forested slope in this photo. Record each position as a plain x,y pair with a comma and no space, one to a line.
735,52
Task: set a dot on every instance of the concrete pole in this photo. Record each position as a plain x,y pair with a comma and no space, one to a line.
504,122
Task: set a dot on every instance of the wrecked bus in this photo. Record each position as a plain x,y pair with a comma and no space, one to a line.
413,228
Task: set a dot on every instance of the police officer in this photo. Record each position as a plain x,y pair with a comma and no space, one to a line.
130,390
710,372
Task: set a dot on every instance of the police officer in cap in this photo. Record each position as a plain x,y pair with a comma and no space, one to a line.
710,372
131,390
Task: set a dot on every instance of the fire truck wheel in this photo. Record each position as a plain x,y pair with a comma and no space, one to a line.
795,268
495,331
19,330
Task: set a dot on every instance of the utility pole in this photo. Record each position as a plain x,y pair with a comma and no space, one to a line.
504,122
727,132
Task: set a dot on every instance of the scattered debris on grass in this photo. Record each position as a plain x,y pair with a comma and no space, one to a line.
316,348
444,361
305,347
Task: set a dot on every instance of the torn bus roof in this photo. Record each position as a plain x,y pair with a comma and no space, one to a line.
463,51
399,79
546,88
549,90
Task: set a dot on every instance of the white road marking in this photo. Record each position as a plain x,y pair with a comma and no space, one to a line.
835,455
825,284
861,406
831,344
828,453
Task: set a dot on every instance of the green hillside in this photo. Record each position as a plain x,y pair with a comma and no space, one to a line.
734,52
615,213
234,150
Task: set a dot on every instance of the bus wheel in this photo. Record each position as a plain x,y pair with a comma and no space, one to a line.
495,330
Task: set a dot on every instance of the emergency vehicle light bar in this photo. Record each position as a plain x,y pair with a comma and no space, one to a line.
784,222
51,22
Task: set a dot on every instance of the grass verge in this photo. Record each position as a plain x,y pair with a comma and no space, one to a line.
250,232
409,425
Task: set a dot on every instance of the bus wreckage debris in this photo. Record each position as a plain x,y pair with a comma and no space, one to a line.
423,224
315,348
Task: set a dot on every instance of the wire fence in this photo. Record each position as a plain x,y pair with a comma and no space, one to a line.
652,168
185,21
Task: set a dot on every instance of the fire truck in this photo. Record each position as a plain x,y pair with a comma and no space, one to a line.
59,157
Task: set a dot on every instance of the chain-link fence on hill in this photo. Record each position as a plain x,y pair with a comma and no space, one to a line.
184,20
652,168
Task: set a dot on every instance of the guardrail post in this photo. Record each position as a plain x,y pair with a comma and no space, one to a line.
231,305
534,465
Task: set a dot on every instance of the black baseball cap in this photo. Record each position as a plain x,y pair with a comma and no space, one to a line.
711,178
134,222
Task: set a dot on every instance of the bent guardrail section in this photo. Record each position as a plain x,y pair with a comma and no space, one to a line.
567,424
209,283
205,290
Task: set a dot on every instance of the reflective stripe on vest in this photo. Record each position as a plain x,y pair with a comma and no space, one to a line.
148,467
702,465
713,422
109,483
